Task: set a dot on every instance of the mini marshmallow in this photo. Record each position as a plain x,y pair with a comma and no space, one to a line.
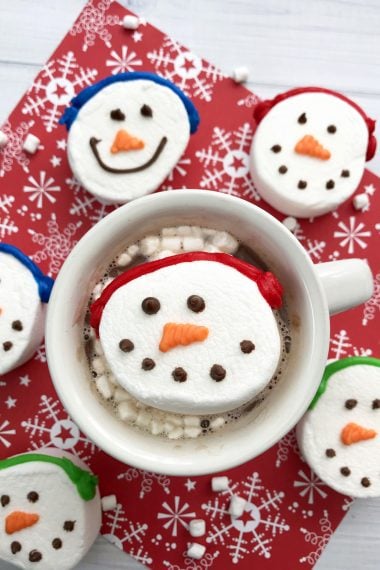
217,423
149,245
209,248
98,348
192,243
197,527
236,506
98,365
133,250
196,551
172,231
121,395
31,144
162,254
184,231
173,243
3,139
219,484
191,421
127,411
109,503
240,74
97,291
123,260
131,22
360,201
104,387
176,433
113,380
192,432
290,223
157,427
208,232
143,419
225,242
174,419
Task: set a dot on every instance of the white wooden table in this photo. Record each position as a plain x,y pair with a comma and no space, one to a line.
335,43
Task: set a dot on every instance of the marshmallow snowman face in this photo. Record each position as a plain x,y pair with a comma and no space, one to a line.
44,522
308,154
127,139
194,337
22,314
340,436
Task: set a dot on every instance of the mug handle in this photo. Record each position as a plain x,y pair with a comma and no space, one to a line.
347,283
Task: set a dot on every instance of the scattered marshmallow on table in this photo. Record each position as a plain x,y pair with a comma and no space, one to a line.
109,503
196,551
290,223
31,143
240,74
197,527
360,201
236,506
219,484
3,139
131,22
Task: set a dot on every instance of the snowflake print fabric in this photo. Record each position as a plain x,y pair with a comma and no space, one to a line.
45,211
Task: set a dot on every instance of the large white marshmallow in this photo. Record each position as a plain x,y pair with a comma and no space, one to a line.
352,395
281,128
234,311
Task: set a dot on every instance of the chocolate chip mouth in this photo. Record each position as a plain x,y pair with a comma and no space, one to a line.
94,147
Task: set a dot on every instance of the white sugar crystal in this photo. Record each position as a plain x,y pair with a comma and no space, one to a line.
197,527
192,243
240,74
237,506
225,241
104,387
121,395
174,419
133,250
131,22
360,201
290,223
109,503
169,232
3,139
196,551
219,484
173,243
127,411
149,245
217,423
98,365
191,421
176,433
123,260
143,419
157,427
192,432
31,144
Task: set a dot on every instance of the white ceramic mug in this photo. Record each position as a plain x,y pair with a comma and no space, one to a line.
312,293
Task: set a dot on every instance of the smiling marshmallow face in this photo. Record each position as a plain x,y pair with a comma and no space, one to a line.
195,337
56,527
340,436
308,154
22,314
127,139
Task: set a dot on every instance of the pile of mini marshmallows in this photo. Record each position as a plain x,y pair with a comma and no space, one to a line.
170,241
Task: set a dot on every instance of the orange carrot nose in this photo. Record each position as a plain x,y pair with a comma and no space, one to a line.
175,334
353,433
310,146
125,141
18,520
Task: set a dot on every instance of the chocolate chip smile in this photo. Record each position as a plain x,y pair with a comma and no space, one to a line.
94,147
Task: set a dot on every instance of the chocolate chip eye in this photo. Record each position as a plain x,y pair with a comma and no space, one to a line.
247,346
151,305
276,148
146,111
283,169
302,184
365,482
302,119
196,303
33,497
126,345
5,500
7,345
376,404
330,184
345,173
117,115
330,452
350,404
331,129
346,472
17,325
15,547
68,526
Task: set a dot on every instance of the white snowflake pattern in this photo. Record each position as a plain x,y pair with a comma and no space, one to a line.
53,427
41,189
226,160
180,168
317,541
41,354
56,245
255,530
13,150
6,203
341,345
175,515
314,248
249,101
86,205
190,564
5,432
351,235
193,75
286,446
7,227
54,87
309,486
372,306
347,503
147,480
93,22
118,524
125,61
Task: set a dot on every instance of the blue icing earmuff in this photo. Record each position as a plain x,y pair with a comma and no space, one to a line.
86,94
44,282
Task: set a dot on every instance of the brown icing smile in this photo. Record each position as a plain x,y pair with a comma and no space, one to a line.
94,147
